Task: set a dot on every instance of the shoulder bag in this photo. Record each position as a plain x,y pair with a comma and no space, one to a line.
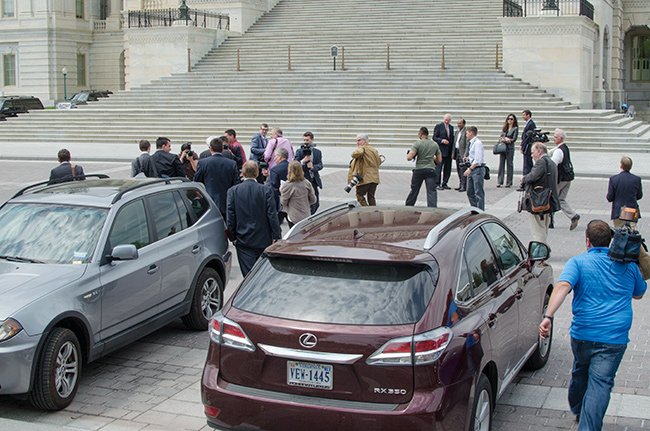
540,196
500,148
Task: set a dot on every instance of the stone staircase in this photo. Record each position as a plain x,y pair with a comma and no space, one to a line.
389,105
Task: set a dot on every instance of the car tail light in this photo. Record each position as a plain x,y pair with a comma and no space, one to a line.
212,411
227,333
413,350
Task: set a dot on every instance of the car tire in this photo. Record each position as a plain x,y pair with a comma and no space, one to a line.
58,371
543,350
483,406
206,300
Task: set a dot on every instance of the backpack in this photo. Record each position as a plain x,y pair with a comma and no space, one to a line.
565,169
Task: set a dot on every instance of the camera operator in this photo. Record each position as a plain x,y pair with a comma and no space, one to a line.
189,159
311,159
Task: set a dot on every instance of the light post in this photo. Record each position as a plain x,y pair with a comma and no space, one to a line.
65,73
184,12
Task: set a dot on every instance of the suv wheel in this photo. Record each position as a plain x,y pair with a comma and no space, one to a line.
207,300
57,374
540,356
482,410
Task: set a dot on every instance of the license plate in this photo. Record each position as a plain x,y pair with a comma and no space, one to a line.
310,375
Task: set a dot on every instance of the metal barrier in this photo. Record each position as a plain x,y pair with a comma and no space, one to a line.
167,17
523,8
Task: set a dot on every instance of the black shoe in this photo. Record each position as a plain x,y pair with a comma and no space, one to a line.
508,186
574,222
446,187
520,189
457,188
440,188
462,190
499,185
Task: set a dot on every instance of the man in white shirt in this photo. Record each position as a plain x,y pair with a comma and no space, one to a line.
562,158
476,172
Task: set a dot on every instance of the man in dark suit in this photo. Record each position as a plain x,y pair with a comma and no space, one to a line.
65,171
252,218
460,150
277,174
258,144
143,163
624,190
527,141
167,164
443,134
218,174
311,164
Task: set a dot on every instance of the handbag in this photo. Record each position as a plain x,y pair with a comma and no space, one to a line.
500,148
486,175
540,199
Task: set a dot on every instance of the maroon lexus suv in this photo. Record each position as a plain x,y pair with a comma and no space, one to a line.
379,318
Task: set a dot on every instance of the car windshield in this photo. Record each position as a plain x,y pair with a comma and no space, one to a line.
356,293
80,97
50,233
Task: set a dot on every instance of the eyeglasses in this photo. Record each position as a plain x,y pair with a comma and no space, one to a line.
511,119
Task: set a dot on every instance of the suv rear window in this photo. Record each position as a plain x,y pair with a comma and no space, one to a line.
355,293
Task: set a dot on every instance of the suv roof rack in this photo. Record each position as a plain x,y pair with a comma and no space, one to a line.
437,232
119,195
314,218
58,181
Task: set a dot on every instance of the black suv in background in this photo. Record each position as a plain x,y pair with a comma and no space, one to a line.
14,105
82,98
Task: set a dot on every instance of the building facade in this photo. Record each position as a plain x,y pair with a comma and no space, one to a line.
53,48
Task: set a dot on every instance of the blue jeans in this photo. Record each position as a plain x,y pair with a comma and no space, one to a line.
592,378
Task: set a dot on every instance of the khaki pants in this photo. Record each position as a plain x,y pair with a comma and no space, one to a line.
644,258
539,226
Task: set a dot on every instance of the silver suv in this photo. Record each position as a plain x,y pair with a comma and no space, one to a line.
87,267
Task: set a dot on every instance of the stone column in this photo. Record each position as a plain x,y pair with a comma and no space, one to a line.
553,53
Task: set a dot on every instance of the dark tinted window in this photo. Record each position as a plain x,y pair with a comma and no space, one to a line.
165,214
481,263
505,244
186,217
130,226
338,292
196,201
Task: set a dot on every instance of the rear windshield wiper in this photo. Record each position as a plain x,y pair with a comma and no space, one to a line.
20,259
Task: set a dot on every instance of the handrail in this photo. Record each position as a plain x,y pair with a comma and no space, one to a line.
167,17
527,8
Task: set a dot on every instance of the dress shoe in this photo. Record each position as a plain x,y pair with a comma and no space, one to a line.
457,188
520,189
574,222
499,186
508,186
440,188
446,187
462,190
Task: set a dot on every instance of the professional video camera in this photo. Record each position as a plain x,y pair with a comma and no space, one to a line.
306,149
538,136
356,179
264,165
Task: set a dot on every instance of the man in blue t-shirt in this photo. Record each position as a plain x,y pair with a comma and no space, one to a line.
602,317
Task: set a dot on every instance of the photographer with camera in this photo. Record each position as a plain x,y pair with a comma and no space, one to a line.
364,168
311,160
428,154
189,159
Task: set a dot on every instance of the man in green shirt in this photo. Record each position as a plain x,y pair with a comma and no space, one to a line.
428,154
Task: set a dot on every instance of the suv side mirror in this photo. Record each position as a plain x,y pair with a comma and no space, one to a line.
123,252
538,251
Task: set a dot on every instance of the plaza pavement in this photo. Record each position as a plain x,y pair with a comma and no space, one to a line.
153,384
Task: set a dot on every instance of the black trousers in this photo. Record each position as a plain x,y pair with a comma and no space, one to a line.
429,178
462,179
444,171
247,256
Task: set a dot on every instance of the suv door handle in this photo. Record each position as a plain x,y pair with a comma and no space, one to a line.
519,293
153,269
196,248
492,320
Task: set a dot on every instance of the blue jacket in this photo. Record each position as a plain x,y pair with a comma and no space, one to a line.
252,217
258,145
624,190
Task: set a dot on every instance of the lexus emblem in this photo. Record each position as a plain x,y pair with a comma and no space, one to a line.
308,340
